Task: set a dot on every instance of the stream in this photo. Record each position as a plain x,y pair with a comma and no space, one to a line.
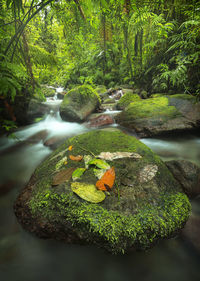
24,257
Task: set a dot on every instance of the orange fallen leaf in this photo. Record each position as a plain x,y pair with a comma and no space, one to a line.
107,180
70,147
76,158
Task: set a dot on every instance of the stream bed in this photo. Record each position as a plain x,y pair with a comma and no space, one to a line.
24,257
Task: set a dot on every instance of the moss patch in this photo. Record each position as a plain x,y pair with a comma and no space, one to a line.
155,107
183,96
80,95
126,99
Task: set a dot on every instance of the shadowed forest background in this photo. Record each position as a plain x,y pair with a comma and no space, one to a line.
150,45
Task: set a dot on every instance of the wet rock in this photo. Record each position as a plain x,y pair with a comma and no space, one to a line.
61,95
54,142
36,109
37,137
191,231
161,115
134,215
187,174
79,103
101,120
6,187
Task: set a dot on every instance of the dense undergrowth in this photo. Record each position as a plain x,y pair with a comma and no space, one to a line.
154,46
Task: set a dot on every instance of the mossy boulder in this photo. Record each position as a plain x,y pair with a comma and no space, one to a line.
79,103
102,91
126,99
161,115
48,92
144,206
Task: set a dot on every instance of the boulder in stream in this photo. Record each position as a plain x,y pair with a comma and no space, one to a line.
36,109
144,205
161,115
187,174
79,103
100,120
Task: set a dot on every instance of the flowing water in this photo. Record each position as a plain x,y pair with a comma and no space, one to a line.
24,257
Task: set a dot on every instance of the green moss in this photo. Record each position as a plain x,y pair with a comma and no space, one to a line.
151,108
48,92
183,96
157,95
100,89
109,101
127,99
106,223
81,94
118,232
39,95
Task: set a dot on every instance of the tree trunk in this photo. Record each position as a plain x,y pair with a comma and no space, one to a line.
128,50
127,7
141,46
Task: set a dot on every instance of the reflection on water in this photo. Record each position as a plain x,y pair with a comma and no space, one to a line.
24,257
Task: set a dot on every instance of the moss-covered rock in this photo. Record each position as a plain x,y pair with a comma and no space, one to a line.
48,92
139,210
126,99
160,115
78,103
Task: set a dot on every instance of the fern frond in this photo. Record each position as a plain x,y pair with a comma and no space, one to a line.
41,56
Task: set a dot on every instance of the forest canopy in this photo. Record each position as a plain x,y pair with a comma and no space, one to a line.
154,45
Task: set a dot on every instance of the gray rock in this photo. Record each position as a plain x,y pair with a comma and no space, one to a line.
187,174
191,231
36,109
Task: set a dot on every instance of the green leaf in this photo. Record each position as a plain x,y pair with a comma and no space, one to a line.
88,192
99,173
78,173
99,164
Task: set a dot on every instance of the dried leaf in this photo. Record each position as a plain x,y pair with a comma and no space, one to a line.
63,176
87,159
119,154
88,192
78,173
70,147
61,163
99,164
107,181
76,158
148,173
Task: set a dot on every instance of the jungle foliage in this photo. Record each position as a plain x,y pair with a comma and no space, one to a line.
153,45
